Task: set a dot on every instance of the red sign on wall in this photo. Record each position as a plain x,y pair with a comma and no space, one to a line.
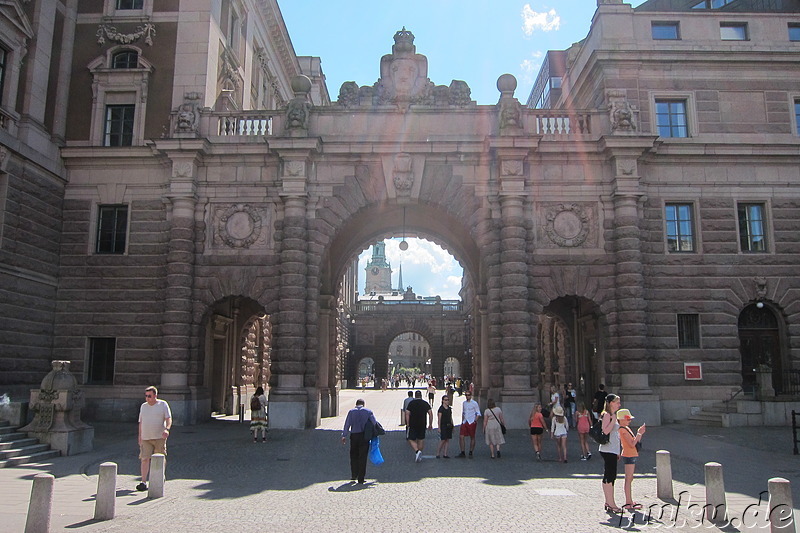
692,371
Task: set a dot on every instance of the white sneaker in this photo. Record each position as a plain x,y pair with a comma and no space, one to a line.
418,456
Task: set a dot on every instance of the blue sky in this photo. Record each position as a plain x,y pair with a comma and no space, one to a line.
471,40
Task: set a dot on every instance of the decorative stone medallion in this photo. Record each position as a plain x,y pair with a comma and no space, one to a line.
567,225
239,226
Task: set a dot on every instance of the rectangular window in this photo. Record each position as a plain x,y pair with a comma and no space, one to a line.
665,30
797,115
752,228
680,228
130,4
671,118
102,352
688,331
3,57
119,125
112,228
733,31
794,31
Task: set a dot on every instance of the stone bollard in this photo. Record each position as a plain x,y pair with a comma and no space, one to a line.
716,508
664,475
155,485
105,503
781,510
41,504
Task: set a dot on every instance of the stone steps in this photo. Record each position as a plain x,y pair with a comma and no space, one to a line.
18,449
712,415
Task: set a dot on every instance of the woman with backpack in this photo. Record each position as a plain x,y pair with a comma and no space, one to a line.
258,414
610,451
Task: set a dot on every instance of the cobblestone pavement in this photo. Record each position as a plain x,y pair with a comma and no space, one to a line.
218,479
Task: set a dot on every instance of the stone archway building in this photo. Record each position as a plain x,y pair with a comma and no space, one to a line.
225,237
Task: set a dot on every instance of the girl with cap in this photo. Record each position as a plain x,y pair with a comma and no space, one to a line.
558,430
629,440
610,451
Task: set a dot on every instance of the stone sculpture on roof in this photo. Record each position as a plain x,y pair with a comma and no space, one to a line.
404,81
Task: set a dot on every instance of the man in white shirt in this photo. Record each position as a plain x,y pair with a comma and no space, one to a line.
470,412
155,420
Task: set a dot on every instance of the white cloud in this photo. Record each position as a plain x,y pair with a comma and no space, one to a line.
545,21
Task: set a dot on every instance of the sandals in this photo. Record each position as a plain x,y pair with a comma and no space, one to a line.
632,506
612,510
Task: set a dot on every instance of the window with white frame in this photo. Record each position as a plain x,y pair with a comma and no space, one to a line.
128,8
665,31
680,227
671,118
120,84
733,31
794,31
752,227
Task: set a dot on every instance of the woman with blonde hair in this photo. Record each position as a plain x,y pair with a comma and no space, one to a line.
610,451
538,427
558,430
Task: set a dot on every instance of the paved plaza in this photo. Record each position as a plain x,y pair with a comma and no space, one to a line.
219,480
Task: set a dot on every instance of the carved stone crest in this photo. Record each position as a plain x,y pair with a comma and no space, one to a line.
294,168
403,175
567,225
239,226
761,287
511,167
188,113
621,112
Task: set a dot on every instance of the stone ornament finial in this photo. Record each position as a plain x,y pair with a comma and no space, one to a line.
299,109
57,405
620,112
509,107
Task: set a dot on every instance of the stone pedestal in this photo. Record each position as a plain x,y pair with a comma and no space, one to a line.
15,413
57,413
288,403
516,400
637,396
764,381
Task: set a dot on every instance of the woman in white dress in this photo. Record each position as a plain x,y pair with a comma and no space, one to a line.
492,418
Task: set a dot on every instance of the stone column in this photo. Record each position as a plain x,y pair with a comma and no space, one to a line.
295,401
177,322
628,323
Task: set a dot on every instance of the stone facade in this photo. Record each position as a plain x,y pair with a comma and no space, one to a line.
597,245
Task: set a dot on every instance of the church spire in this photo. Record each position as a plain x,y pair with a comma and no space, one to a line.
400,281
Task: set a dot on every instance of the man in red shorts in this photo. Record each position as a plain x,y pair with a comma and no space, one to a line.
470,412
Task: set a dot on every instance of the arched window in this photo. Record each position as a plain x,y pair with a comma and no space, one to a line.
125,59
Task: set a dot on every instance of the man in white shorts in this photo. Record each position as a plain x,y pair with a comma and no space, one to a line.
155,420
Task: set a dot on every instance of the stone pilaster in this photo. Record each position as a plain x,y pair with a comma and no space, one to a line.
294,357
629,359
180,263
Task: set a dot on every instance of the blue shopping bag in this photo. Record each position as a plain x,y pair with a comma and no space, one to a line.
375,451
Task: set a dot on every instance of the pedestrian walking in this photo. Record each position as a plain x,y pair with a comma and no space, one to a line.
354,424
583,424
492,431
258,414
538,427
599,400
406,401
431,392
569,404
470,412
559,427
155,422
445,419
611,450
416,412
630,453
